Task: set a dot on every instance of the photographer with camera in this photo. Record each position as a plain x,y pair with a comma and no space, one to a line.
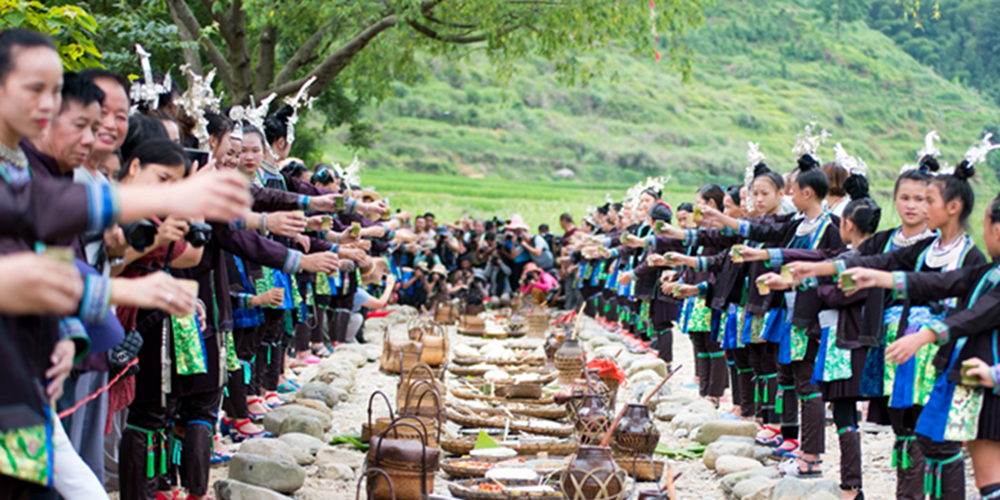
537,283
512,251
497,275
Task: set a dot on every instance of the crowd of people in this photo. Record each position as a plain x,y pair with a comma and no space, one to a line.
166,261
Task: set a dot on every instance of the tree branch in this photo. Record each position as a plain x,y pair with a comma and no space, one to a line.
461,40
302,56
265,58
186,18
330,67
191,56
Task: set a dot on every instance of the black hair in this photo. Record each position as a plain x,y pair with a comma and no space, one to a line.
218,125
994,210
928,164
650,191
323,176
685,207
141,129
276,125
79,90
250,129
489,226
916,174
734,193
810,176
160,151
604,209
761,170
862,210
713,193
428,214
19,37
618,206
94,74
661,211
956,186
294,169
566,217
543,227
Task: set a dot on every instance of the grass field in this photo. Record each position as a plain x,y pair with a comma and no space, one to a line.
450,197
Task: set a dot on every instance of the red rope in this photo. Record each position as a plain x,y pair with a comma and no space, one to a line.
70,411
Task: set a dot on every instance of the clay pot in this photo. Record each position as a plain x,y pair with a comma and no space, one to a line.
569,360
636,433
592,420
552,345
592,474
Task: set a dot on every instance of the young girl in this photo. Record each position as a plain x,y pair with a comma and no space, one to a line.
841,355
962,406
815,231
908,386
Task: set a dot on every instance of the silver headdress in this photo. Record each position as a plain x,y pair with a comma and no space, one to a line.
147,90
352,174
198,99
754,157
978,152
929,148
808,144
237,114
301,100
652,183
254,116
850,163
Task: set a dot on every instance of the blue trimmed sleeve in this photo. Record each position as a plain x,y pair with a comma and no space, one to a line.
293,261
304,202
774,257
96,299
941,329
702,289
744,228
995,375
899,285
702,263
690,237
103,206
72,329
238,224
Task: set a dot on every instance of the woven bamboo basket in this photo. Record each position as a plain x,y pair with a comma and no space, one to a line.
641,467
454,468
462,393
468,489
464,445
466,420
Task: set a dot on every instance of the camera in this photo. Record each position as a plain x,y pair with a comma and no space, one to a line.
140,235
198,234
508,237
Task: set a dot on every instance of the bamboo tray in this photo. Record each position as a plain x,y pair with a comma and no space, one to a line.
454,468
462,393
497,422
498,362
464,445
468,490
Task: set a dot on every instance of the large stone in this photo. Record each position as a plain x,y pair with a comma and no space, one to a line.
358,359
303,424
641,388
280,476
320,392
268,447
712,430
730,481
273,420
823,495
304,447
667,412
599,342
657,365
689,420
755,489
328,455
315,405
341,394
645,376
344,384
724,448
331,370
727,464
231,489
672,399
790,488
337,472
705,407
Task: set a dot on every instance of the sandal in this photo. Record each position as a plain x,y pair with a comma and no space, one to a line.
774,440
258,416
311,360
272,400
791,468
780,451
287,387
322,351
220,457
238,435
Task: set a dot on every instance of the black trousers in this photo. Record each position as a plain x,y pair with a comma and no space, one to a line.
270,353
764,362
845,416
743,381
710,365
235,405
800,396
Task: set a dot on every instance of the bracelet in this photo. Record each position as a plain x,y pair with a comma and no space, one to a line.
840,267
263,225
899,285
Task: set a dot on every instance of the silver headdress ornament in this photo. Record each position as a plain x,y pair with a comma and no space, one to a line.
198,99
652,183
808,144
754,157
977,153
236,114
907,167
352,174
301,100
254,116
147,90
850,163
929,148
